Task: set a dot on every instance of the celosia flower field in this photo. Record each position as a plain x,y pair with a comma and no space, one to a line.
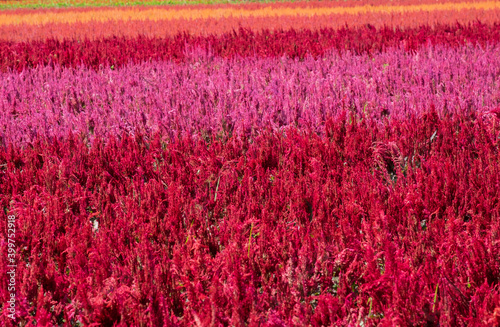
250,164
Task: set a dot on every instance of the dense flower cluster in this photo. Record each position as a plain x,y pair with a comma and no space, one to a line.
206,20
391,224
207,94
118,51
252,171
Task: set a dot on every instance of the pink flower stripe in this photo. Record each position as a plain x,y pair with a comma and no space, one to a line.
207,94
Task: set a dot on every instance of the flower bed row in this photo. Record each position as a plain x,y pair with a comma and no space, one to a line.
206,94
115,27
370,224
293,43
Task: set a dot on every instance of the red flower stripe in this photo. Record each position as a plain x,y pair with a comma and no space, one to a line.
119,51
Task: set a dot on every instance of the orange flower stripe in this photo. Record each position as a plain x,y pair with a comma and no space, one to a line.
164,28
165,13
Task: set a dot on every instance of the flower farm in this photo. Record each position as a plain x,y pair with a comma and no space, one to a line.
306,163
